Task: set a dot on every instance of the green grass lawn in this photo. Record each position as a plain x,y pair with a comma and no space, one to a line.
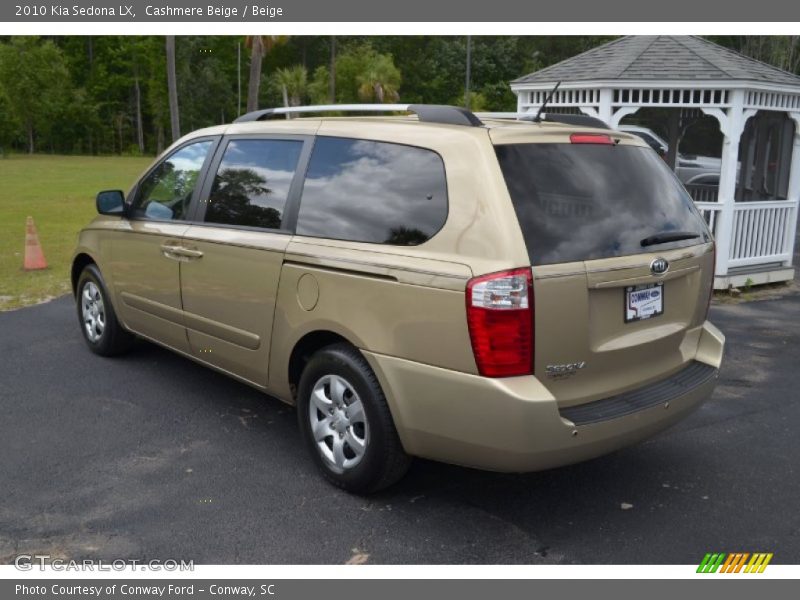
58,192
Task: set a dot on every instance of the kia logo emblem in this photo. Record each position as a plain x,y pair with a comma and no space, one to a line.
659,266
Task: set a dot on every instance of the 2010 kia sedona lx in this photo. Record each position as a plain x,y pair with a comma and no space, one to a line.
503,294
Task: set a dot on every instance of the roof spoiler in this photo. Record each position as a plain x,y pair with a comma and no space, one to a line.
579,120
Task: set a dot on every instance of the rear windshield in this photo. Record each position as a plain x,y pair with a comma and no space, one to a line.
579,202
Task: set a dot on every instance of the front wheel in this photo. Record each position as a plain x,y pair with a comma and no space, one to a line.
99,325
346,422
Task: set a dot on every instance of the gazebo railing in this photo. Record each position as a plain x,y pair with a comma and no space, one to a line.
701,192
762,233
709,212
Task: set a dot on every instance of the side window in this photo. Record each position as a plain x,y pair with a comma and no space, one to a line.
166,193
252,183
373,192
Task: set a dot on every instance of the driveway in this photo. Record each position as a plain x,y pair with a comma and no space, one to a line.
151,456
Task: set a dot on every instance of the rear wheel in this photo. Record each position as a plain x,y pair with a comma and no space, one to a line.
346,422
99,325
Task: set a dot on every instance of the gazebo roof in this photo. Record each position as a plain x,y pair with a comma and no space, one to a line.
660,58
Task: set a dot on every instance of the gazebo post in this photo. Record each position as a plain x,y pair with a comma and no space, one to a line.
604,109
794,175
732,132
731,124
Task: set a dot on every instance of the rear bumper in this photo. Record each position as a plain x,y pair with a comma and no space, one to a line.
514,424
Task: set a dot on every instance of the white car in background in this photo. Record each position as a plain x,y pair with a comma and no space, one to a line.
691,168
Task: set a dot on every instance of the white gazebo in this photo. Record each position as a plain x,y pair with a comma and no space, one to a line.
752,210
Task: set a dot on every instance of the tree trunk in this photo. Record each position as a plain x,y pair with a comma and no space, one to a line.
172,85
285,96
119,119
674,129
468,74
794,54
139,128
239,78
332,73
160,139
30,136
256,54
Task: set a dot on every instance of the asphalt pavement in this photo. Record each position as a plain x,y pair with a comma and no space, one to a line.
151,456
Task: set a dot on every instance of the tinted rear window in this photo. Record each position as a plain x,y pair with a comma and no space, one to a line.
587,201
375,192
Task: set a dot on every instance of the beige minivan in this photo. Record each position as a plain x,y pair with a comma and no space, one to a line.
505,294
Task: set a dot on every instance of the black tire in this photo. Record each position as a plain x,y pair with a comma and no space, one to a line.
383,461
113,340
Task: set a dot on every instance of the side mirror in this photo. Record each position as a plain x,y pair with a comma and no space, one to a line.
111,202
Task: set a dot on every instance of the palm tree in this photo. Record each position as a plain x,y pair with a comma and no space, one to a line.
172,85
294,83
476,102
380,80
318,88
259,46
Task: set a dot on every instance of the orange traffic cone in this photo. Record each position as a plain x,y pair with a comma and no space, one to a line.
34,256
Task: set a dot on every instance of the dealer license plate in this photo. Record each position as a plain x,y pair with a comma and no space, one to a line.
644,301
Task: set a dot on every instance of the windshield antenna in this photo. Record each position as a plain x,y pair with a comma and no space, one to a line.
538,116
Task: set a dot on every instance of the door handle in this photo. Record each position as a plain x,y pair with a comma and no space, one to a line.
189,252
170,251
179,252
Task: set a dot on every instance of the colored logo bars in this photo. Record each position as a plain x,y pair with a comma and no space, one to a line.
735,562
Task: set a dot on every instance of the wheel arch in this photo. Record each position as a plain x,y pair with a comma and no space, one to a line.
305,348
79,263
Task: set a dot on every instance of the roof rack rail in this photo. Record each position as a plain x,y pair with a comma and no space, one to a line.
429,113
517,116
580,120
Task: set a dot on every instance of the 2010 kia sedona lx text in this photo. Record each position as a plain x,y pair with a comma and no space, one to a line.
511,295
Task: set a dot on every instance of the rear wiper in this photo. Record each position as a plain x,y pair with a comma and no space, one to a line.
669,236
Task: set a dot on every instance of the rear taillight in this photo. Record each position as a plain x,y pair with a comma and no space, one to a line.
500,319
713,274
591,138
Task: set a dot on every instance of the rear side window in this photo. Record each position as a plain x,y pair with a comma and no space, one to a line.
578,202
252,183
375,192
